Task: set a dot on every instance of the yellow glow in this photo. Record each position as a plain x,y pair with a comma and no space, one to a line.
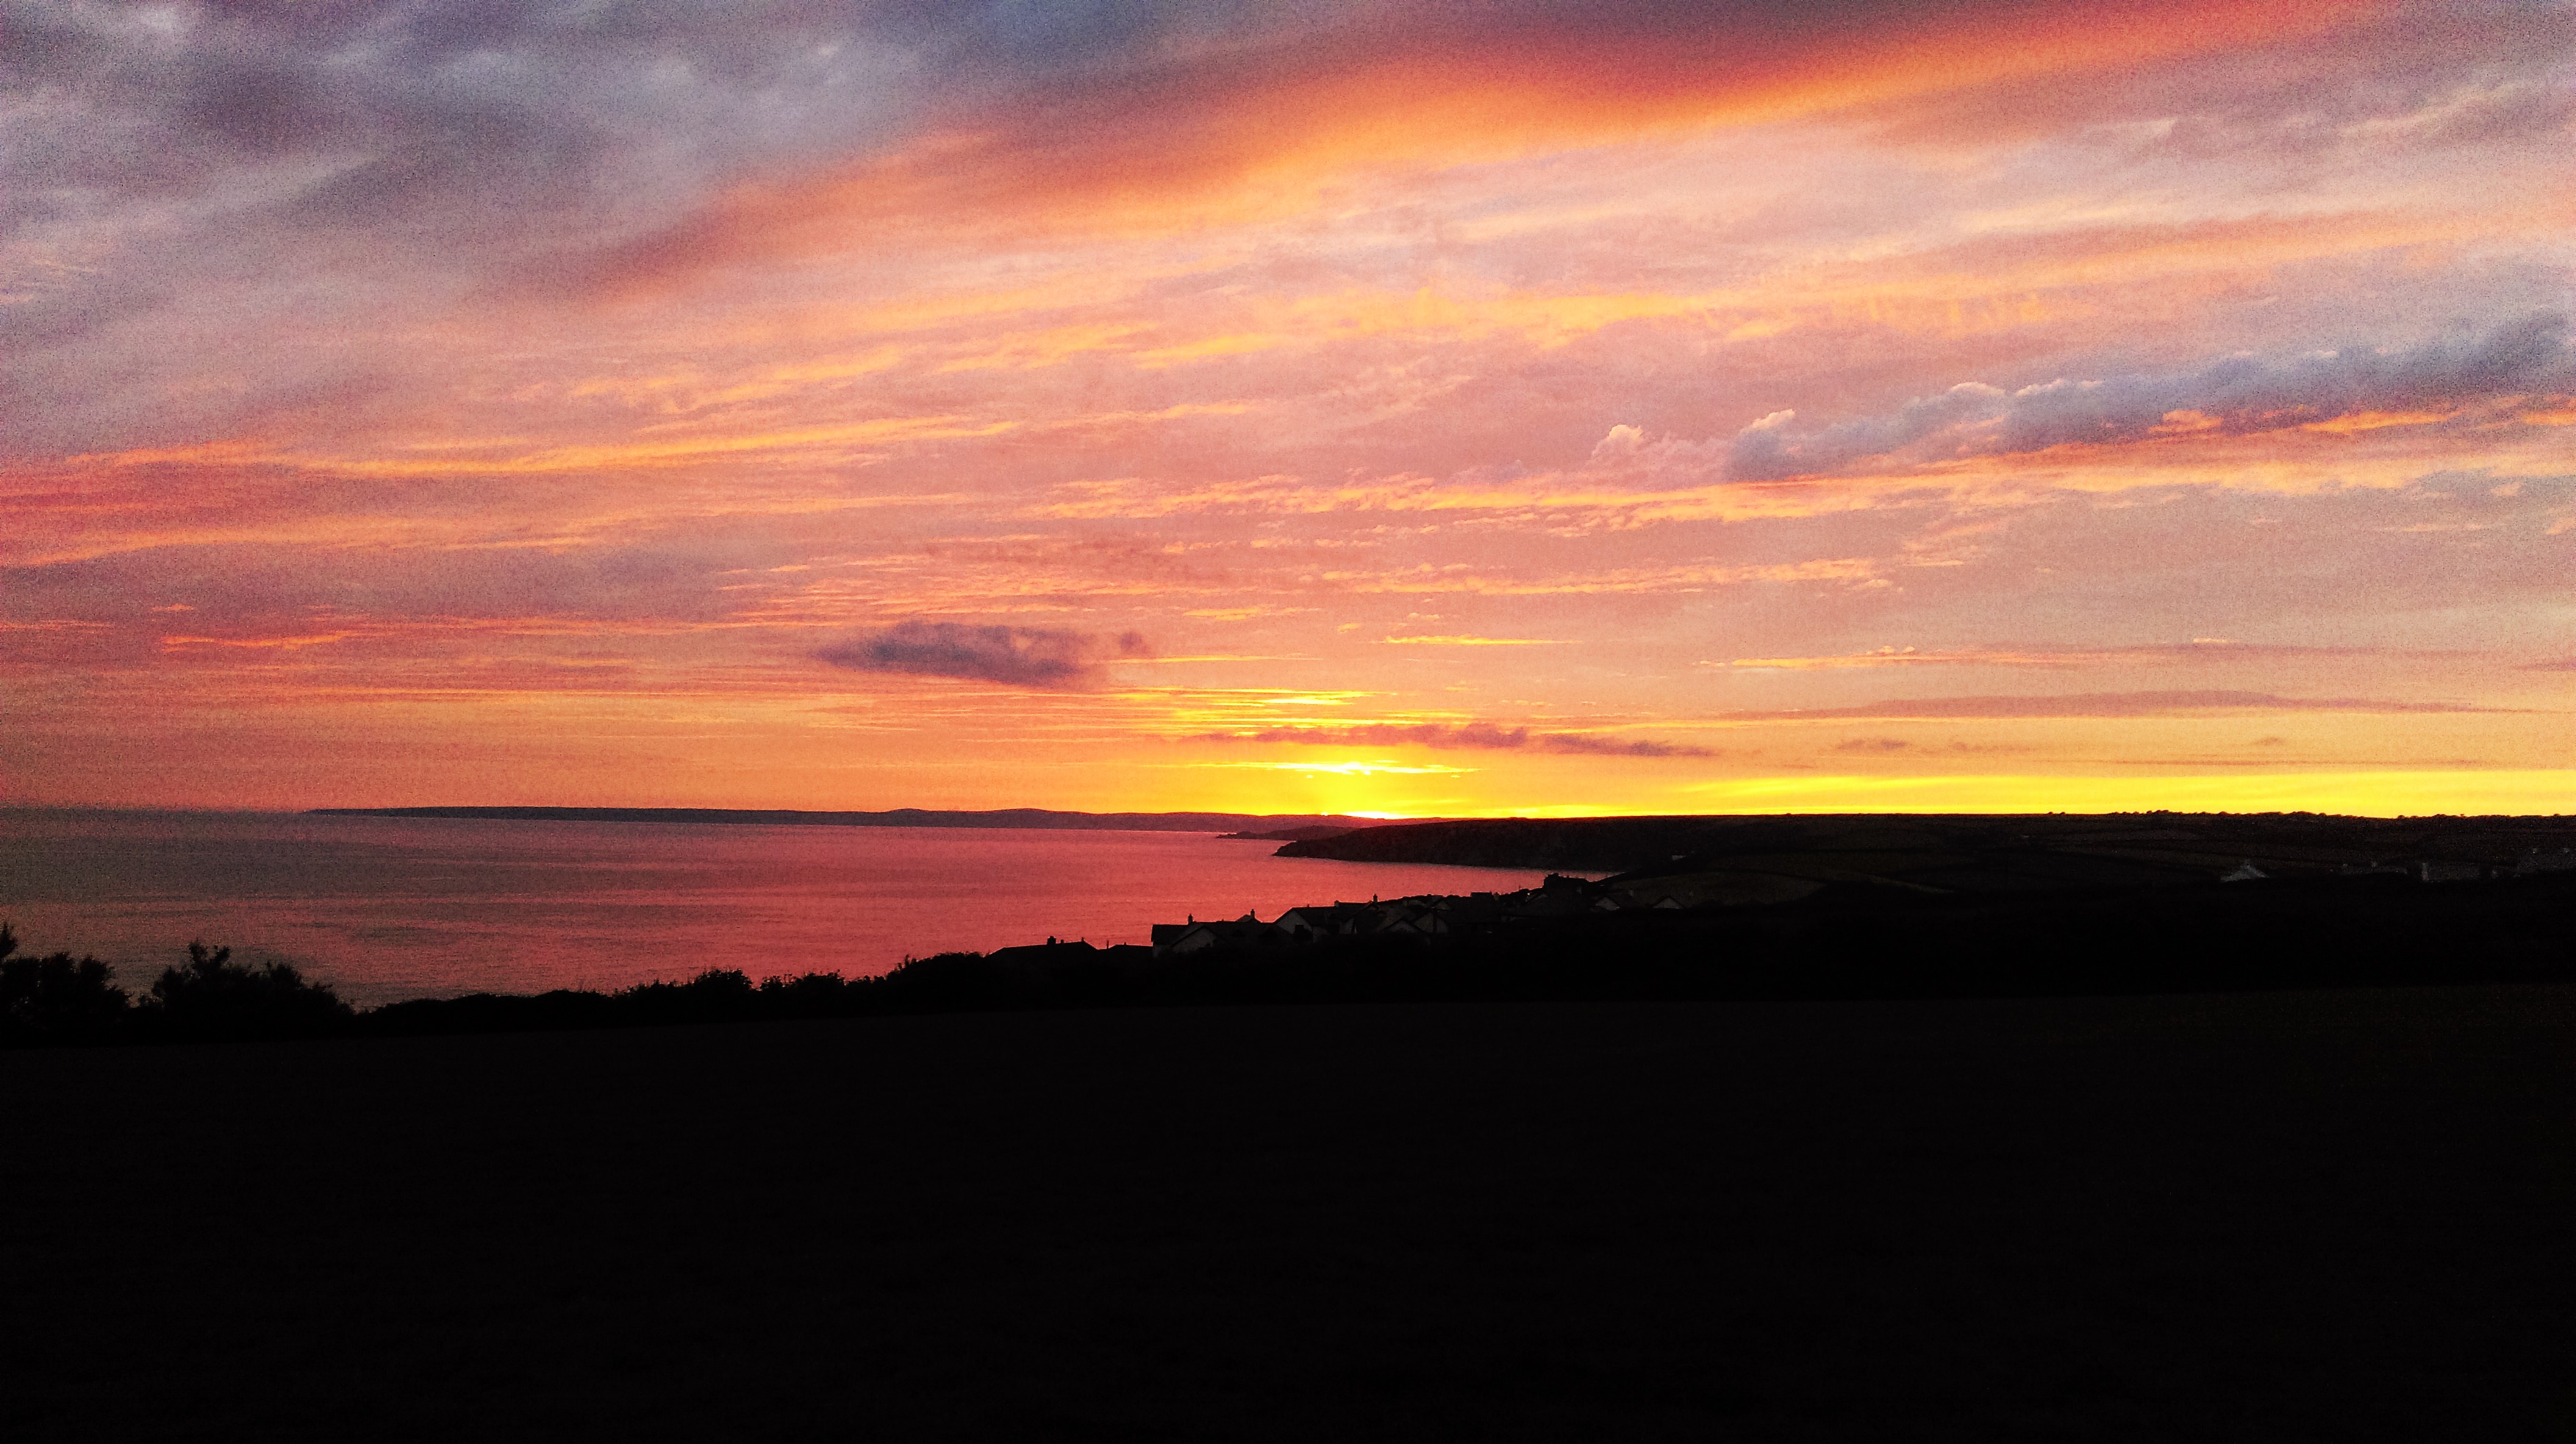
1345,769
285,643
2368,794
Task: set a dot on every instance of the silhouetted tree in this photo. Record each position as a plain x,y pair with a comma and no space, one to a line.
810,995
213,996
55,999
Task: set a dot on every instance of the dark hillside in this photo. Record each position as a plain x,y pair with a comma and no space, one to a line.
2314,1216
2081,849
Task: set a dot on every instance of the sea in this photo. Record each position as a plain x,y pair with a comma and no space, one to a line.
386,908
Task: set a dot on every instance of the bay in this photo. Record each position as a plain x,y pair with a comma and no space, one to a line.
390,908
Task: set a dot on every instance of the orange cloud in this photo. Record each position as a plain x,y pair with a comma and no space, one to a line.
259,643
2046,657
1466,641
1242,136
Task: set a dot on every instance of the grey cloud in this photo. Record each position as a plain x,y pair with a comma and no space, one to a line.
452,137
1595,746
254,586
1043,657
2535,112
482,109
298,164
2239,394
2371,84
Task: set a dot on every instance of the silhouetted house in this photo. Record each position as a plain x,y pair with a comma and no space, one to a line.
1417,922
1378,917
1050,951
1341,919
2536,861
1198,937
1557,904
1306,923
2427,869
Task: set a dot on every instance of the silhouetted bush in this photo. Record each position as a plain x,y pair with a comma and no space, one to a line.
215,997
491,1013
718,995
812,995
55,999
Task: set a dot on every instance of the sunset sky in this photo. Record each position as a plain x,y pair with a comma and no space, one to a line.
1400,407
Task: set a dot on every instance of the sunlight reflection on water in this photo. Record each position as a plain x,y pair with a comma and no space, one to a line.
389,908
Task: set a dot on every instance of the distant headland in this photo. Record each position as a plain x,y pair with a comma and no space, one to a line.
1251,826
1969,852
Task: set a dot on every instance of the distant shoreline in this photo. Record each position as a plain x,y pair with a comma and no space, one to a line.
1026,818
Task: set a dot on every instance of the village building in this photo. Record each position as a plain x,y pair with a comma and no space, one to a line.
1416,921
1198,937
2537,861
1341,919
1050,951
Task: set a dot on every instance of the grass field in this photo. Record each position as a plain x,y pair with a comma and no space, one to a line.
2288,1215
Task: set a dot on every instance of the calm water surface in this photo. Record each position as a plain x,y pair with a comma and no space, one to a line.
389,908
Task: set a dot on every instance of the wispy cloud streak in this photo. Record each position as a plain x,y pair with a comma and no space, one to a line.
2101,705
1486,736
2358,389
1042,657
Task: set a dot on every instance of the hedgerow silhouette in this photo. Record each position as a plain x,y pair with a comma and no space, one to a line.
55,999
212,996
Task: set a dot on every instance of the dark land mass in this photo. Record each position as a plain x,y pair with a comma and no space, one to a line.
2280,1216
1846,942
1637,936
1313,833
1834,1153
1974,853
1021,817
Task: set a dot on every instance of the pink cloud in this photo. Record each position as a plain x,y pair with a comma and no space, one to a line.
2100,705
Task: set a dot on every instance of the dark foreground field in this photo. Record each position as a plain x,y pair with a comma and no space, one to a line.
2318,1215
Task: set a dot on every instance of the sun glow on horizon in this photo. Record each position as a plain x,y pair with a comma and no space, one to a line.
1766,407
